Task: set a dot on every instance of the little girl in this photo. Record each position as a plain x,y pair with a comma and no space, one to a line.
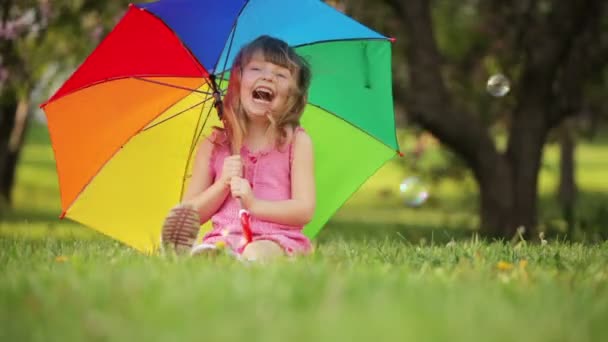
261,161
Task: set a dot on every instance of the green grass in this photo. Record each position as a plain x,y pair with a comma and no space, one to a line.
381,271
73,290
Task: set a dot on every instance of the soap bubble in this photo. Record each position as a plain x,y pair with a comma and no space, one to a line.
498,85
413,192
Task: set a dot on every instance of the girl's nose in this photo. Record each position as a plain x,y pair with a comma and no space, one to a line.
268,75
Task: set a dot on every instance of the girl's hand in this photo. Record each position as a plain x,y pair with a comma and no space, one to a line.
233,167
240,188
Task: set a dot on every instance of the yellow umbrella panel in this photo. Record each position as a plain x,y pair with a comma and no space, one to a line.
122,180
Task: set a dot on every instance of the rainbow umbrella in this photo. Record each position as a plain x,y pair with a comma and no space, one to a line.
125,125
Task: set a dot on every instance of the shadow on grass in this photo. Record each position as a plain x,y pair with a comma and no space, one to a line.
592,218
30,216
590,215
47,165
408,234
37,134
334,230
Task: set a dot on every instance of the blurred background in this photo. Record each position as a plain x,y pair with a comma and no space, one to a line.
503,122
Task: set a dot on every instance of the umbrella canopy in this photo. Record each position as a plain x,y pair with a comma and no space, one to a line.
125,125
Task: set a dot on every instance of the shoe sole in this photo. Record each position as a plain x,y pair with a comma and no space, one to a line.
180,229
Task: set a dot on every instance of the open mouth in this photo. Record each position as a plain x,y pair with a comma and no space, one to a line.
263,94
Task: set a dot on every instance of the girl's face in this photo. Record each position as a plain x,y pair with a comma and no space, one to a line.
265,87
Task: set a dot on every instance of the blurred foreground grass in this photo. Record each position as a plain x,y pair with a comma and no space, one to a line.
382,271
73,290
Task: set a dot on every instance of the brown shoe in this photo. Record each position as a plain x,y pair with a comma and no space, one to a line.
180,229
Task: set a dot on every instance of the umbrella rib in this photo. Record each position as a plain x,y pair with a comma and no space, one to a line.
339,40
328,41
197,135
177,114
143,128
233,33
171,85
198,64
227,54
355,126
140,78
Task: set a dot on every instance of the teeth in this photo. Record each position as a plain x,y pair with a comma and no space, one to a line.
263,93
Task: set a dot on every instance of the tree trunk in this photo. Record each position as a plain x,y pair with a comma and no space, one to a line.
495,184
525,150
430,105
567,184
508,183
8,108
560,51
13,124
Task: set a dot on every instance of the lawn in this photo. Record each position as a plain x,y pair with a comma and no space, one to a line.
381,271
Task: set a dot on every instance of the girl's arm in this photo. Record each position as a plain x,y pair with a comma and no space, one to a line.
205,195
299,210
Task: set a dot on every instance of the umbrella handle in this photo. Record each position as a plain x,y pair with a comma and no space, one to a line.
245,218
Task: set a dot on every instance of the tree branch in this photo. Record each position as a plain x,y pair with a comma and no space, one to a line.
429,102
589,53
509,21
547,49
549,43
6,11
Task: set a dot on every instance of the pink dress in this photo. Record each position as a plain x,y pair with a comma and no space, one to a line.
269,174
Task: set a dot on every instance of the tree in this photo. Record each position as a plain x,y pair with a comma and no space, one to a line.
33,35
561,45
550,49
14,85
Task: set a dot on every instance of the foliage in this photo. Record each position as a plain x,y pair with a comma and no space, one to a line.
39,35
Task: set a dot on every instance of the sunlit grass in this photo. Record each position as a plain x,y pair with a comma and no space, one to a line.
71,289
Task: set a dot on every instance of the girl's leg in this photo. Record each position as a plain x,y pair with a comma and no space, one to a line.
205,249
263,250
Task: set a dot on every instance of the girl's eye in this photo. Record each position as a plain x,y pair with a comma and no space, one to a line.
281,75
